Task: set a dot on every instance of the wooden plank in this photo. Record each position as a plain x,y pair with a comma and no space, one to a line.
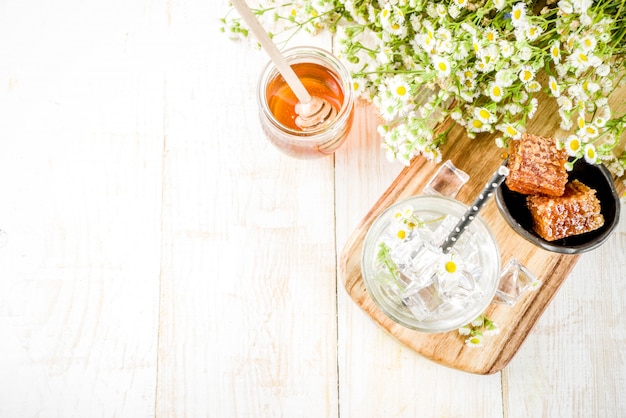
248,284
479,158
379,377
80,177
573,364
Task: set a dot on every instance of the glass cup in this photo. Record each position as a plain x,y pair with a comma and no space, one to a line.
417,285
325,77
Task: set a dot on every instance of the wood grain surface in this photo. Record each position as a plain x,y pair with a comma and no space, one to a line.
159,258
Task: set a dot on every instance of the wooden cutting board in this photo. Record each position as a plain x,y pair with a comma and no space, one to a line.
479,158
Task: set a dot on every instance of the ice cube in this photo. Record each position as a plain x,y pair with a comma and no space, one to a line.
423,302
460,289
515,279
417,261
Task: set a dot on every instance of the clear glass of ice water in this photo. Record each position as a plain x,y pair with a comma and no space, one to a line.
416,284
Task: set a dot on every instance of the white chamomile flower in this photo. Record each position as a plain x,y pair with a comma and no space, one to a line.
477,125
534,104
478,322
460,3
484,115
441,65
499,4
607,85
603,70
565,103
588,43
449,266
533,32
466,74
496,92
506,77
590,131
358,85
401,231
526,74
398,216
474,341
566,123
397,29
454,11
566,7
589,152
555,89
465,330
555,52
506,48
441,10
500,142
591,87
510,130
533,86
581,122
518,15
432,154
513,108
491,34
572,145
524,53
387,110
580,59
399,88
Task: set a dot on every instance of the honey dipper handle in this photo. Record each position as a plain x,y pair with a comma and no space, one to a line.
483,197
270,48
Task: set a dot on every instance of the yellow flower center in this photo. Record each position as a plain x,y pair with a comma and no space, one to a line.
401,91
483,113
477,124
574,145
517,14
442,66
402,234
556,52
497,91
511,130
450,266
591,153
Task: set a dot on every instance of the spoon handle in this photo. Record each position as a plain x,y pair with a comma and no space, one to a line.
270,48
483,197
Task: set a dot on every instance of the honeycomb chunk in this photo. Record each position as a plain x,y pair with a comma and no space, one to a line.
575,212
536,166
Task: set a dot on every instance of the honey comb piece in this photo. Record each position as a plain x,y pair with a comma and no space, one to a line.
575,212
536,166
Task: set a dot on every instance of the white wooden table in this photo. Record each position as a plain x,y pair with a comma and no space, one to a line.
159,258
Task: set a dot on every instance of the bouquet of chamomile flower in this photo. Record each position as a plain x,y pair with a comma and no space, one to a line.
479,62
